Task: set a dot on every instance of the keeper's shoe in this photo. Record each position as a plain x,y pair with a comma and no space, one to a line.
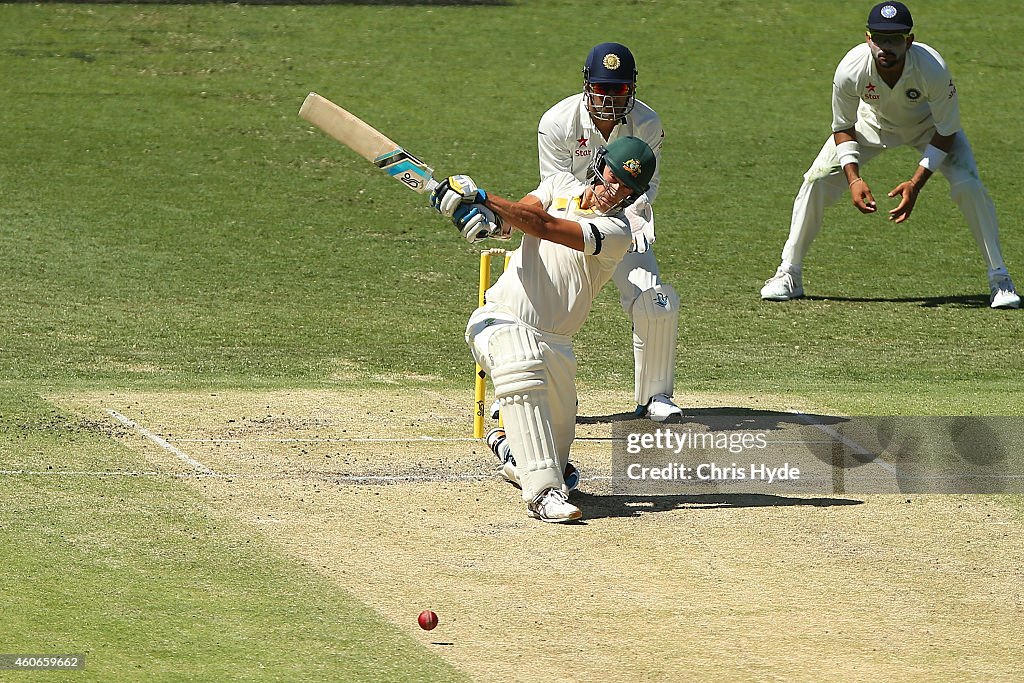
783,286
498,443
660,408
1004,294
553,505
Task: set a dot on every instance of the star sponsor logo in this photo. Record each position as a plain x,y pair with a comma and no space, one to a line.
869,92
582,150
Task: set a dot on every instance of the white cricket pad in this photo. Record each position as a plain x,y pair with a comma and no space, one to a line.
520,376
655,316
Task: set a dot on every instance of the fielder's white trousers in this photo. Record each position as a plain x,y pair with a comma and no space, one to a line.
825,183
534,378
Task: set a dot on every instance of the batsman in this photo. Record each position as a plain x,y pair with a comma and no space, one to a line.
574,236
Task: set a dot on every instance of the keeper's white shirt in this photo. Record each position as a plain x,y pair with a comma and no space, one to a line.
567,138
923,98
549,286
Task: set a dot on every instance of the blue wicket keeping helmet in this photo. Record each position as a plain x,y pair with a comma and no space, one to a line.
609,81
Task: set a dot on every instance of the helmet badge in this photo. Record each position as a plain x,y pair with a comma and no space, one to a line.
611,61
632,167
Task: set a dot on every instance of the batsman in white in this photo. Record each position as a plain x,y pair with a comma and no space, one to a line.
575,234
889,92
567,138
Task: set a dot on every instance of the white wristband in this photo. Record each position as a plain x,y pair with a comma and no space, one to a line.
849,153
933,158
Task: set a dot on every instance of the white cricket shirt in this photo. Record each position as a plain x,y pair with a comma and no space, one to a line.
567,138
549,286
924,97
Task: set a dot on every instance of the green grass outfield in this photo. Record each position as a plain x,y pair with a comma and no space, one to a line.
167,222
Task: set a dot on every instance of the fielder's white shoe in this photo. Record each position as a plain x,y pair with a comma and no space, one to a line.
660,408
783,286
1004,294
553,505
498,443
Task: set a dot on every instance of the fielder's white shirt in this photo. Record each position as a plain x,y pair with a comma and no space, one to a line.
923,98
549,286
567,138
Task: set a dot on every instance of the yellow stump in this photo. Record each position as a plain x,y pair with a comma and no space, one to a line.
480,388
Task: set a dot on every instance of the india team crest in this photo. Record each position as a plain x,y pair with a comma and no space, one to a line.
888,11
611,61
633,167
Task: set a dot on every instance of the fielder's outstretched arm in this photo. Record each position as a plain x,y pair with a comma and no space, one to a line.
849,159
908,190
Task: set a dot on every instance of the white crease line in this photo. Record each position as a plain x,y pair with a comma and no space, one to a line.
387,479
876,459
118,473
415,439
161,442
354,439
323,476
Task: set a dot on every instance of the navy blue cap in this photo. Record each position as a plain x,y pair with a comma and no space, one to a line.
610,63
890,17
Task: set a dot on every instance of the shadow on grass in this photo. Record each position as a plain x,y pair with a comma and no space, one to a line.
608,506
969,301
727,417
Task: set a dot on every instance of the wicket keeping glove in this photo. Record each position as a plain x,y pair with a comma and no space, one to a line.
641,223
453,191
476,222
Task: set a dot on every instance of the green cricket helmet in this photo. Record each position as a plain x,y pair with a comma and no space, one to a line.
631,160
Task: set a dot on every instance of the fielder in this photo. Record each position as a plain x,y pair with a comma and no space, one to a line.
889,92
567,138
575,234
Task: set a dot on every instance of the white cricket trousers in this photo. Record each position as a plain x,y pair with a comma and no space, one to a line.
825,183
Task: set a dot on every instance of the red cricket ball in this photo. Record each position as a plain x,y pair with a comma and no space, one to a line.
428,620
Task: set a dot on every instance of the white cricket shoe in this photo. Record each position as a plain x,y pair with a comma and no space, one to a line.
1004,294
553,505
498,443
660,408
783,286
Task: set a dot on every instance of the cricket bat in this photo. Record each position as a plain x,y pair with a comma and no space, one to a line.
367,142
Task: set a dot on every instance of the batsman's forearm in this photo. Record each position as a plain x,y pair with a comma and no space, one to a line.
535,221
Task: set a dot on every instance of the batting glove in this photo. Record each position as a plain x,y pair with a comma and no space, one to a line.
476,222
453,191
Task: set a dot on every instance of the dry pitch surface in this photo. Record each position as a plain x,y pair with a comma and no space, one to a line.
399,508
